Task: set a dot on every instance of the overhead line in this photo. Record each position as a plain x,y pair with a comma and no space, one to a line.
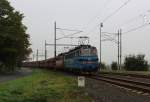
124,4
61,45
62,32
135,18
109,33
105,4
101,11
72,37
67,29
134,29
130,20
93,29
69,35
110,38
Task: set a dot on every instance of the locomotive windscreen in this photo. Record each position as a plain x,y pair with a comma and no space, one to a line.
88,51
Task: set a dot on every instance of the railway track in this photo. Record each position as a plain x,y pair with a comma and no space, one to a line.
127,74
124,82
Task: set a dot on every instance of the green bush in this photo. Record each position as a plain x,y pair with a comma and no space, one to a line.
102,66
136,63
114,66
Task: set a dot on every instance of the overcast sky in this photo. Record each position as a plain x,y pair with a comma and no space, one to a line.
85,15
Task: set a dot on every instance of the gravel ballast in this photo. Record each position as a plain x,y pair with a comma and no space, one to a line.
105,92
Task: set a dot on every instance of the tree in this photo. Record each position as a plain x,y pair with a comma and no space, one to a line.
114,66
136,63
102,65
14,42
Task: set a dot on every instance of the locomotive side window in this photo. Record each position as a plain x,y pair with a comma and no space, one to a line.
88,51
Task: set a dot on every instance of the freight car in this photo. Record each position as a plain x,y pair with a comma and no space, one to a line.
83,58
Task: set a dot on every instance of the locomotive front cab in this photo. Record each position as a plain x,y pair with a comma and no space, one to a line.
83,58
88,59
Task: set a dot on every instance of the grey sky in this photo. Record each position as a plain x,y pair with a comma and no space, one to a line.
85,15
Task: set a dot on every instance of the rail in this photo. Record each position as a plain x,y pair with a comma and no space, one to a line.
124,82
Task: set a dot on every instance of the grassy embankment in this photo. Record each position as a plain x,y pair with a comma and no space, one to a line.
43,86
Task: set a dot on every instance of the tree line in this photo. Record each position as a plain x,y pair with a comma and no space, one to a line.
14,41
131,63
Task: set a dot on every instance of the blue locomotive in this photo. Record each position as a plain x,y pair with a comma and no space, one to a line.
83,58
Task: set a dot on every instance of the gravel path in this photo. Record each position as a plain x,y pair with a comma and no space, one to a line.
20,73
104,92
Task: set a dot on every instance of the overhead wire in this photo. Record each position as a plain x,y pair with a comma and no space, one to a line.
69,35
117,10
92,29
109,16
109,38
135,18
109,33
134,29
63,29
131,20
140,16
62,32
101,11
68,29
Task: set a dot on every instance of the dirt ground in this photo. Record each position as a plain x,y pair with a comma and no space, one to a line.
105,92
20,73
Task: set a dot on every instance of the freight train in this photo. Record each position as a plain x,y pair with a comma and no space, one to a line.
82,58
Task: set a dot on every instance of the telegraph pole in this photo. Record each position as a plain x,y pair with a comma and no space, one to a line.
33,57
100,49
37,55
120,48
45,51
55,40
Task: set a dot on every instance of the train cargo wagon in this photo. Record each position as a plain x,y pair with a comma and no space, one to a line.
59,62
50,63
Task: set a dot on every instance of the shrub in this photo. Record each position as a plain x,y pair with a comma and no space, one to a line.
136,63
114,66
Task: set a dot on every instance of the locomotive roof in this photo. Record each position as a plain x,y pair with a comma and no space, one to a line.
76,48
81,46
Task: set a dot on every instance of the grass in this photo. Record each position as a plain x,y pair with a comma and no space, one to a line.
43,86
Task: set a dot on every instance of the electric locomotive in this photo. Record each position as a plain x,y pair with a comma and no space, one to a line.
83,58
